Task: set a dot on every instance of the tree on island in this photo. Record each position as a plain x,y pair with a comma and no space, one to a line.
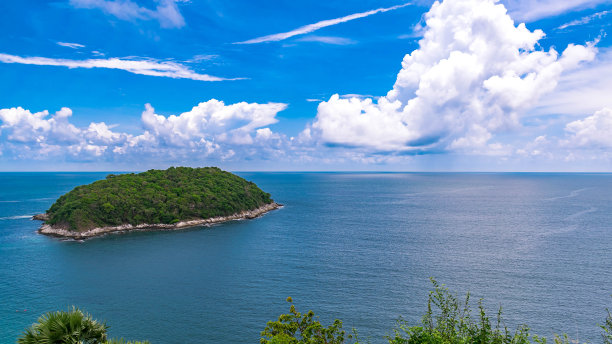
155,197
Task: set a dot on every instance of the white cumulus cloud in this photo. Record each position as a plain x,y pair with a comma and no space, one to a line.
20,125
474,74
581,91
212,120
594,131
210,128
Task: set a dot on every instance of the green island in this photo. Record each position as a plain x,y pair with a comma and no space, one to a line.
156,199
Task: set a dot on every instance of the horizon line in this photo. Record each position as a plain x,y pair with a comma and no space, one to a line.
320,171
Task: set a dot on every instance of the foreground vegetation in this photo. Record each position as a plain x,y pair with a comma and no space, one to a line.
72,327
156,197
447,321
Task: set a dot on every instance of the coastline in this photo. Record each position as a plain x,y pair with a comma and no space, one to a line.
100,231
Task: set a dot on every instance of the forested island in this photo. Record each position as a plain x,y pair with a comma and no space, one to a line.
157,199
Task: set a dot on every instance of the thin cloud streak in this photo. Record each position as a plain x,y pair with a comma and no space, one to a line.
166,13
143,67
71,45
328,40
319,25
532,10
584,20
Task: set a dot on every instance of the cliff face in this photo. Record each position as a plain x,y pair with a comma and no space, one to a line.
155,199
41,217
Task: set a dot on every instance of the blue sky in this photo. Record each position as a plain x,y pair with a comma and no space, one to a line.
306,85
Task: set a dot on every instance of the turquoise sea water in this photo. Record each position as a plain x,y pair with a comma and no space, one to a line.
354,246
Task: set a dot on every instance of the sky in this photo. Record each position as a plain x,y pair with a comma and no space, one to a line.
385,85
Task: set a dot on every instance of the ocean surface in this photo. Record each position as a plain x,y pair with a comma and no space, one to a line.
355,246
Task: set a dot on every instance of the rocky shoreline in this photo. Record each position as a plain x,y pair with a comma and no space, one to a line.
56,231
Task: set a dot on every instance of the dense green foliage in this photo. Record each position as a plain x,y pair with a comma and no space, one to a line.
607,329
71,327
449,321
156,196
298,328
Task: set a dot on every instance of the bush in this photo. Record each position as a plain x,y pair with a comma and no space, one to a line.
70,327
607,329
448,321
297,328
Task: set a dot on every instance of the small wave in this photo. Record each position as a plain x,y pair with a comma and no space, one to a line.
571,195
29,200
17,217
580,213
444,192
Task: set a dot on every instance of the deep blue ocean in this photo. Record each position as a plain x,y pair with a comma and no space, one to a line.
355,246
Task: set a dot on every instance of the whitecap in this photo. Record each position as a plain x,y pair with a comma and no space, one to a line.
580,213
17,217
572,194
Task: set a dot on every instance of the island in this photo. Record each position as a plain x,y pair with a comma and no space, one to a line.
175,198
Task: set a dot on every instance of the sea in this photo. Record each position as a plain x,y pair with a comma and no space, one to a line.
360,247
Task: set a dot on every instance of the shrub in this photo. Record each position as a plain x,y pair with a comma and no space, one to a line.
297,328
70,327
607,329
448,321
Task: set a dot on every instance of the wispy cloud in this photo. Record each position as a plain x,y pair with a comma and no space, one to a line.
581,91
531,10
201,58
318,25
166,12
328,40
584,20
149,67
71,45
358,96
